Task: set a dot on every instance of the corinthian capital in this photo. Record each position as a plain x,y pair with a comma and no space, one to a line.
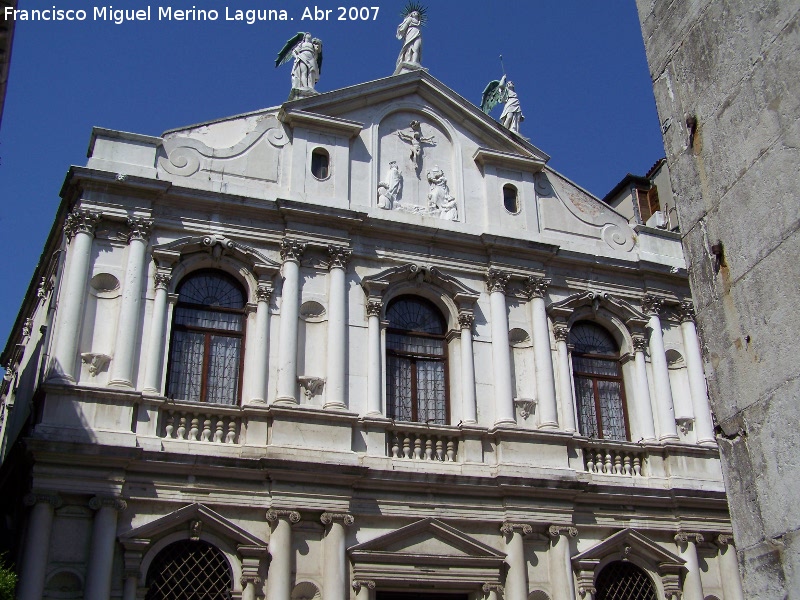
639,343
99,502
374,307
724,539
560,332
508,528
273,515
292,250
536,287
359,583
686,311
162,280
339,255
497,280
263,293
328,518
557,530
652,305
466,319
81,221
139,228
684,537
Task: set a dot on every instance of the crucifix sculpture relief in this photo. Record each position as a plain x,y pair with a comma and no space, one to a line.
416,139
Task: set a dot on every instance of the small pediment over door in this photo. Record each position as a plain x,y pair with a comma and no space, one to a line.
427,551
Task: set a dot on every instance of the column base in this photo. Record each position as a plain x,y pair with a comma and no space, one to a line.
708,443
334,406
286,401
506,423
552,425
120,383
669,438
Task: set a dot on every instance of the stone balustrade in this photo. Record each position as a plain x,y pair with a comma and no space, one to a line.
612,460
212,424
423,444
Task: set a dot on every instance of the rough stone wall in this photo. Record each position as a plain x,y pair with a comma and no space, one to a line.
733,65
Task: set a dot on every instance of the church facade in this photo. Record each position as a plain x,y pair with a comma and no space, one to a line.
363,345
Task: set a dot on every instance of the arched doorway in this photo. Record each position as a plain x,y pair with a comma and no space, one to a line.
622,580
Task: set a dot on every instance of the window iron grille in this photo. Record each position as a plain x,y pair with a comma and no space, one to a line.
189,570
624,581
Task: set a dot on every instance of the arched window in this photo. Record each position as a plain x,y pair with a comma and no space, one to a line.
510,198
205,357
624,581
320,163
599,392
416,361
189,570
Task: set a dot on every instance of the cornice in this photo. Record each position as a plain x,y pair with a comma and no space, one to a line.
293,117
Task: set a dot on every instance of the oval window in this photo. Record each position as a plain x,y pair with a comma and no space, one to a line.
510,198
320,163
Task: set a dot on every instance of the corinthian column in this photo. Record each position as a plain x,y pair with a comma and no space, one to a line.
643,406
687,550
497,281
703,425
543,358
729,568
469,407
561,563
131,305
517,577
334,567
260,345
336,372
101,552
37,545
561,333
79,228
291,252
154,365
374,396
668,431
279,579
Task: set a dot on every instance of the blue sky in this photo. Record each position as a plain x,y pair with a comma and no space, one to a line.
579,69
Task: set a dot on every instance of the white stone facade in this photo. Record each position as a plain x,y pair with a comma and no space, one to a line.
301,481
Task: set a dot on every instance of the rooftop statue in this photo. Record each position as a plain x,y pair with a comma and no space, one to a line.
414,16
503,91
307,54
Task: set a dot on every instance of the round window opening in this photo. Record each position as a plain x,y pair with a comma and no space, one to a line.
320,163
510,198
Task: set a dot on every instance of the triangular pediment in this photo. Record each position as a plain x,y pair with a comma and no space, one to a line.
428,537
624,544
434,94
184,518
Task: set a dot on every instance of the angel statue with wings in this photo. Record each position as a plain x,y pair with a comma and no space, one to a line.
414,17
307,54
503,91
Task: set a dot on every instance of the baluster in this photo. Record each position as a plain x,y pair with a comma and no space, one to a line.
194,428
451,450
170,426
617,463
229,439
428,448
607,468
598,462
407,445
626,466
182,428
637,465
206,436
218,433
440,450
418,447
395,445
589,461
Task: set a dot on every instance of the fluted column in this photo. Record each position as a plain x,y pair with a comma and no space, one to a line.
687,550
667,429
536,287
469,407
501,353
362,588
279,579
101,551
79,228
561,571
291,252
703,425
131,306
561,333
336,372
644,409
37,545
374,396
516,587
334,567
154,364
729,568
260,344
